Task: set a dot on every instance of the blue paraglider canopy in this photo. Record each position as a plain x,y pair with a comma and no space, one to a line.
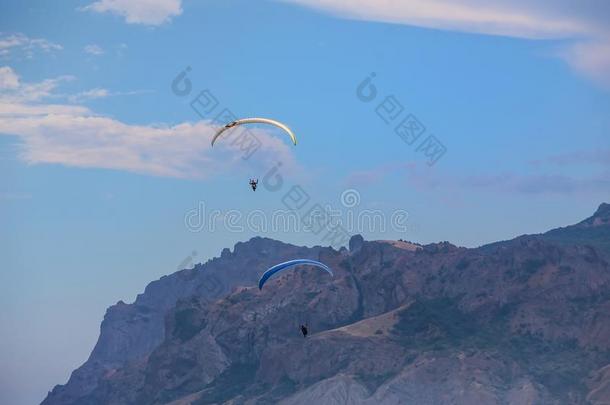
291,263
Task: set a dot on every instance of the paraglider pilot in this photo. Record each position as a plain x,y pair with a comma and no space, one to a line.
253,184
304,330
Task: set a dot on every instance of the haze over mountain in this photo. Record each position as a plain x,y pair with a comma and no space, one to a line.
515,322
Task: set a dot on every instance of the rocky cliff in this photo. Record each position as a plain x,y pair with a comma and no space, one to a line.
517,322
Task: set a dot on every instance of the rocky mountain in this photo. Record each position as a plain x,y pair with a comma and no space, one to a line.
525,321
594,231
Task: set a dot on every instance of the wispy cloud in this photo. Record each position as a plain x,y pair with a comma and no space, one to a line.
584,157
12,110
146,12
374,175
491,17
98,93
546,183
93,49
584,23
537,184
8,78
13,90
16,92
423,178
11,44
76,136
591,58
89,95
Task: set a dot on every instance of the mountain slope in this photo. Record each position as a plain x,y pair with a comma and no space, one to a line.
522,321
594,231
130,332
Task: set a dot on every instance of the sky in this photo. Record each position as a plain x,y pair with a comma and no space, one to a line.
468,121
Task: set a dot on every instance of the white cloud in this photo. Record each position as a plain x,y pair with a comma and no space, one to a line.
10,43
90,94
93,49
592,58
76,136
97,93
147,12
15,91
584,22
8,78
496,17
12,110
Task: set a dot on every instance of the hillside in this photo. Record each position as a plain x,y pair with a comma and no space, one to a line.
518,322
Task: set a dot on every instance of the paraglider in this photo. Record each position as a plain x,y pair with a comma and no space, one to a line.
243,121
291,263
255,121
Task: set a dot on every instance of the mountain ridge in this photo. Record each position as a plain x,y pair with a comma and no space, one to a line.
234,344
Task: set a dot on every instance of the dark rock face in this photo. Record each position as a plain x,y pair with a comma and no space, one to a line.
130,332
355,243
593,231
522,321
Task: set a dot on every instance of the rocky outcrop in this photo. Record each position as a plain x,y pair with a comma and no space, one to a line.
130,332
593,231
522,321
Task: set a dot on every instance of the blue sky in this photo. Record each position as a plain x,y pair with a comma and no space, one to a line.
100,162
